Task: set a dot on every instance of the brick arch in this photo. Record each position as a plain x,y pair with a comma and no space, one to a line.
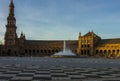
82,52
105,51
113,51
101,51
109,51
9,52
85,52
118,51
97,51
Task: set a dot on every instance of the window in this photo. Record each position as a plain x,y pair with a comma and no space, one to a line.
96,51
29,51
37,51
100,51
41,51
48,51
33,51
45,51
81,51
26,50
82,45
88,45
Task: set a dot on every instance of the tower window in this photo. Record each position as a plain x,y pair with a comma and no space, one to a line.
88,45
82,45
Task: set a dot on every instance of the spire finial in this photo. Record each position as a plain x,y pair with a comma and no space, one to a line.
11,3
91,30
79,33
22,33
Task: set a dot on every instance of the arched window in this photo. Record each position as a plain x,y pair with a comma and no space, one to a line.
30,51
109,51
105,52
33,50
96,51
45,51
85,52
9,52
88,45
113,52
118,51
15,52
81,51
52,51
82,46
88,52
101,52
41,51
49,51
56,51
37,51
3,52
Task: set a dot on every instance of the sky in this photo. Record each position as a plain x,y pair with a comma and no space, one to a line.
63,19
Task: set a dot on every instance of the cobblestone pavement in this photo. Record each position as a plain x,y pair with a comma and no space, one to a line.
11,70
37,73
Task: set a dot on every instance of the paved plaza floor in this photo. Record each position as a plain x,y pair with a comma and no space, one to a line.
58,69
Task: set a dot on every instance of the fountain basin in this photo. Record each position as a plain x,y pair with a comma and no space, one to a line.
63,56
66,53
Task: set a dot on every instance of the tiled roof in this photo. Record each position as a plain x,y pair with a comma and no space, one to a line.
110,41
90,34
49,42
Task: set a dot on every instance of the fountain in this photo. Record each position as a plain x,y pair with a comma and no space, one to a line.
64,53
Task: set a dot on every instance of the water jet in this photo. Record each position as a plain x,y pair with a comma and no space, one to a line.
64,53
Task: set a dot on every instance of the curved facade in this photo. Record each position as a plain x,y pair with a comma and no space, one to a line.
89,44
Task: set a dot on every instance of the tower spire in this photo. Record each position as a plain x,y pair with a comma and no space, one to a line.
11,8
11,3
11,35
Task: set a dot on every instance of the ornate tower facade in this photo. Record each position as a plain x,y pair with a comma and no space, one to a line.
86,43
10,34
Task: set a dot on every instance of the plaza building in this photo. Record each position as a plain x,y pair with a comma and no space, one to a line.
89,44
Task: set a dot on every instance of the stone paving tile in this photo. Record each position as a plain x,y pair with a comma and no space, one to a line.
112,79
42,69
108,76
54,68
42,77
12,72
42,72
92,76
103,74
72,73
60,78
26,73
3,70
56,71
6,76
21,79
116,75
77,76
59,75
68,70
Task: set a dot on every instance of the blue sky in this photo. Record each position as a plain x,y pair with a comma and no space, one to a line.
63,19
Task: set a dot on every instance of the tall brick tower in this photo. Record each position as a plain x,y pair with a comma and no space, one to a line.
10,34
